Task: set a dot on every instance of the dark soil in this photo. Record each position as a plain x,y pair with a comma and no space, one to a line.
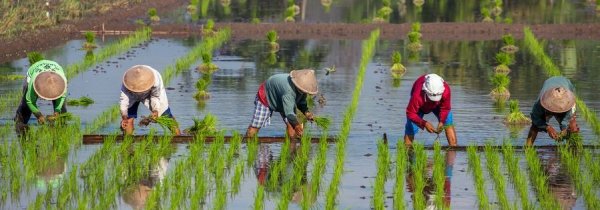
46,38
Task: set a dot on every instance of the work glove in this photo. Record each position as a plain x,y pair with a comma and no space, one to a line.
429,128
551,132
309,116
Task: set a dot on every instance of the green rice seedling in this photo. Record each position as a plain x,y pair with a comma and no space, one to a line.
90,40
202,86
397,70
439,177
192,8
591,164
401,164
208,125
259,198
493,166
237,177
515,116
583,179
509,44
517,176
500,82
165,122
12,77
34,57
209,28
82,101
322,122
289,15
539,180
504,60
273,38
153,15
207,65
382,173
485,13
475,168
418,174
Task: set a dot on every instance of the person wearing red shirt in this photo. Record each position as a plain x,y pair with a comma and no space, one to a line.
430,93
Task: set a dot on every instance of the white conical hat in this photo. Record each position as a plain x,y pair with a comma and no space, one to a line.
305,80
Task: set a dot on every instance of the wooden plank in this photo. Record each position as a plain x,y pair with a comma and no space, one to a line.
99,139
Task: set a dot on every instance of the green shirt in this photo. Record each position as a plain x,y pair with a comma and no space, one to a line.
284,97
31,96
539,116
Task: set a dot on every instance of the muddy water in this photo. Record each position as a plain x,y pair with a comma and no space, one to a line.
534,12
465,66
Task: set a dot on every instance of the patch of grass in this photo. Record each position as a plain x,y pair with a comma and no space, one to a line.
82,101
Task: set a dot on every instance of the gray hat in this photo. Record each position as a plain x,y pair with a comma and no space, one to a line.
305,80
558,100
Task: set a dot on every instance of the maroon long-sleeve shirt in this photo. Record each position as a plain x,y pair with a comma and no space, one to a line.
420,102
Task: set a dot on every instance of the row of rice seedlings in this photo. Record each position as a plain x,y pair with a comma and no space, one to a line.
494,168
319,165
11,77
516,175
414,38
383,161
583,179
401,164
82,101
182,64
383,14
294,181
475,168
439,176
537,50
368,50
418,175
539,180
592,165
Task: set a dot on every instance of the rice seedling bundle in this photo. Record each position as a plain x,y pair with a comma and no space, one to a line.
207,66
82,101
500,82
485,12
90,40
515,116
34,57
322,122
397,67
509,44
475,168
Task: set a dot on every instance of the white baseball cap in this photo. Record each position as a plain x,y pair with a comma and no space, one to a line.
434,87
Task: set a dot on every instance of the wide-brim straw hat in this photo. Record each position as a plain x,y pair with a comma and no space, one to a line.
558,100
49,85
138,78
305,80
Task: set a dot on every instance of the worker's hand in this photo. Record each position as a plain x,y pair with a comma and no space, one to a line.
154,115
440,127
299,129
309,116
124,123
41,120
563,133
551,132
429,128
52,117
573,128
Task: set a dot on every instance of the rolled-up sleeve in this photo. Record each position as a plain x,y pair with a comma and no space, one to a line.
124,103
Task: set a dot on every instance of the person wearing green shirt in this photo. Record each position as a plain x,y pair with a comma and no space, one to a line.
284,93
45,79
556,100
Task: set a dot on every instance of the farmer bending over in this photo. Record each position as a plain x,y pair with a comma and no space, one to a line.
45,79
555,100
143,84
284,93
429,94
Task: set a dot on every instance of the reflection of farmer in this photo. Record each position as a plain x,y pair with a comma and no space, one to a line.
284,93
263,163
136,195
45,79
51,174
262,170
559,181
555,100
430,93
429,190
143,84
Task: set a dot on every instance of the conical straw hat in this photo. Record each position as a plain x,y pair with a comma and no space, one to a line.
49,85
558,100
138,78
305,80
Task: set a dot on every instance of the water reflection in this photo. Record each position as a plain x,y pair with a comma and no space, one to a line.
429,190
136,194
559,181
